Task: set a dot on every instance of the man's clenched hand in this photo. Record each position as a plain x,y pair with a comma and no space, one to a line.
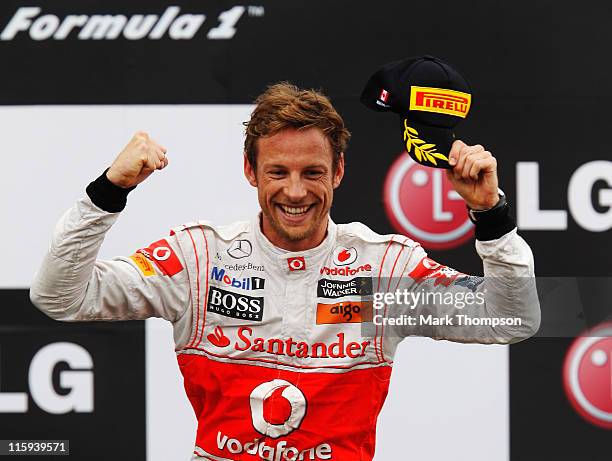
141,157
474,175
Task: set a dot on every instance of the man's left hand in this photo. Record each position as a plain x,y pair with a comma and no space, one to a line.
474,175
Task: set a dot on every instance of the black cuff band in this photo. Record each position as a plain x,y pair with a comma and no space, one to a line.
106,195
494,223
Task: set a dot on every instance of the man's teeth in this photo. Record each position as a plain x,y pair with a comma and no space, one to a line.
294,210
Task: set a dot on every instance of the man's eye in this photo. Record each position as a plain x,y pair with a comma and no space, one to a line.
277,172
314,173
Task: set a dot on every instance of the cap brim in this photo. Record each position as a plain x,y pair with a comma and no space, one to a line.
426,144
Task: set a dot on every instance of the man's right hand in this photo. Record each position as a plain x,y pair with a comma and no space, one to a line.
141,157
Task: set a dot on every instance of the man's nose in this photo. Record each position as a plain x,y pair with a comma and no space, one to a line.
294,189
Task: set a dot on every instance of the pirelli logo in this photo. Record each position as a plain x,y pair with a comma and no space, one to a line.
440,101
143,264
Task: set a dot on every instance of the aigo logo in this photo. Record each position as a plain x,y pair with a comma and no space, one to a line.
587,376
345,256
421,203
344,312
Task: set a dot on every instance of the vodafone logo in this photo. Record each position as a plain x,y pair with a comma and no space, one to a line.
587,376
280,393
430,264
161,253
296,264
421,203
164,257
345,256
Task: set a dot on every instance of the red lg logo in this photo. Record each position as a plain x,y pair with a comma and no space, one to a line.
421,203
587,376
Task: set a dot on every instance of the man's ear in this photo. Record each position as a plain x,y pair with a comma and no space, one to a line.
339,173
249,172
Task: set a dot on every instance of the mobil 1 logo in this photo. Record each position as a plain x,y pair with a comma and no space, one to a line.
234,305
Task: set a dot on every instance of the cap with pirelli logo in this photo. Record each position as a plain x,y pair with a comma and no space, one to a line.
431,99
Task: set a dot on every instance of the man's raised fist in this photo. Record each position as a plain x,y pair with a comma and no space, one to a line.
141,157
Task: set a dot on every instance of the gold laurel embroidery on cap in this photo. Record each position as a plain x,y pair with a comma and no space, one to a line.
424,152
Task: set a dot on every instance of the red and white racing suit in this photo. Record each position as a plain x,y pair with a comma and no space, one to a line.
280,357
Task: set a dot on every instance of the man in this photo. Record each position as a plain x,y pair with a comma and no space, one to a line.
280,358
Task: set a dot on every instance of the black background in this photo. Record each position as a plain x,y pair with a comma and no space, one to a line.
116,428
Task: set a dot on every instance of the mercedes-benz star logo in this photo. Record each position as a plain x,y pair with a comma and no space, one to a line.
240,249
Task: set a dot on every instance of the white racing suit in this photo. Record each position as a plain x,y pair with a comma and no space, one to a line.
280,357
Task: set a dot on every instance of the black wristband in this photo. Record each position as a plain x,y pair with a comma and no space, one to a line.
494,223
106,195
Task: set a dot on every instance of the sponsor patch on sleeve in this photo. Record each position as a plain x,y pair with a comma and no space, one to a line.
164,257
143,264
428,269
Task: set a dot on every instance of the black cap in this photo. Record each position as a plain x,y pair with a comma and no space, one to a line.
431,99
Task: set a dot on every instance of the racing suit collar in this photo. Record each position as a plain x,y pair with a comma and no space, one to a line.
291,261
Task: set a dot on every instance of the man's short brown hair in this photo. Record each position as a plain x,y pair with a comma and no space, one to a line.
284,105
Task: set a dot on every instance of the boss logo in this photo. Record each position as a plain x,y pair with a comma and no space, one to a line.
235,306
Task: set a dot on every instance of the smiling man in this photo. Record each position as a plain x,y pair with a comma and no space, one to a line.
295,191
275,335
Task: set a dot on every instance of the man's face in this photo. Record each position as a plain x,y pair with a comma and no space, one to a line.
295,181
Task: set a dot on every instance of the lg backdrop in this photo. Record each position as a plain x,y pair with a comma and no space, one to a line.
78,78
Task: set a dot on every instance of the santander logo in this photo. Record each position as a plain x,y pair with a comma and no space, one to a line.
218,338
345,256
246,340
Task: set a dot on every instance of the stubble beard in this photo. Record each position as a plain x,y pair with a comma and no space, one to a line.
293,235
